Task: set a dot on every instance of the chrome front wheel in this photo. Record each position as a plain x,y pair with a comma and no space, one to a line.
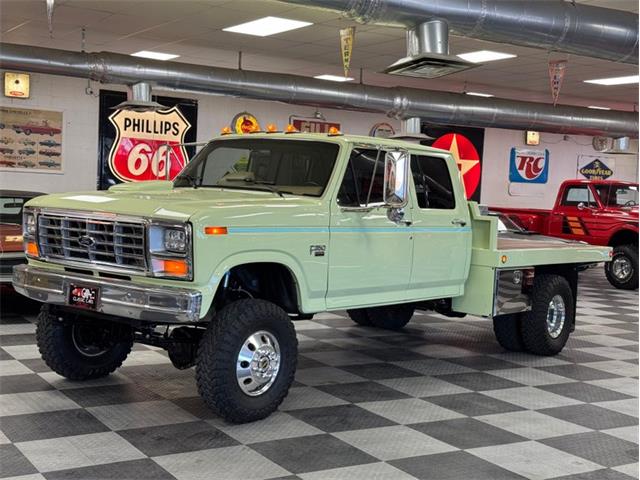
621,268
258,363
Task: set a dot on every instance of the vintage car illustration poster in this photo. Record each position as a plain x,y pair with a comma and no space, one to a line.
30,140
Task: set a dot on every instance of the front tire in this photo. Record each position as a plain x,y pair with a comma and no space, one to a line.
81,350
546,328
247,360
622,270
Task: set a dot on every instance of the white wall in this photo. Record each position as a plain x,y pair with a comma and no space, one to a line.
80,132
80,140
563,156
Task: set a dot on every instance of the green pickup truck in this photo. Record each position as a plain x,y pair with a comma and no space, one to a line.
265,228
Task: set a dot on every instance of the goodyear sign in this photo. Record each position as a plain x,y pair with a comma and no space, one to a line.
594,168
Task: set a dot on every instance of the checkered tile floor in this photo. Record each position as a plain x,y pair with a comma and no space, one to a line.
439,400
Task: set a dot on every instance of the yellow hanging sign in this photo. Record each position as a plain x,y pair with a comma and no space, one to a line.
346,47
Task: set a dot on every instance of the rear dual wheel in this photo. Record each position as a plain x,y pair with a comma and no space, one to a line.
545,329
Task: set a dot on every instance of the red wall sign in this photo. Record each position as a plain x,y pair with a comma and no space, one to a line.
142,140
314,126
467,158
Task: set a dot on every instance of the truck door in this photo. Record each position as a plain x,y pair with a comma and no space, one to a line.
573,212
369,255
442,232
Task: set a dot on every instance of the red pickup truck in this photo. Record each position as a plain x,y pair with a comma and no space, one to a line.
599,212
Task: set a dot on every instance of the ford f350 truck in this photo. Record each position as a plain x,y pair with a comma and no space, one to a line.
599,212
265,228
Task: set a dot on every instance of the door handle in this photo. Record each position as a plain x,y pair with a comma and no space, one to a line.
458,221
408,223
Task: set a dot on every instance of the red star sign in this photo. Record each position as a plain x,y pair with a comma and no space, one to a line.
467,158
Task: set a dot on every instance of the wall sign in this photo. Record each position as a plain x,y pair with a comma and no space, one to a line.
144,141
595,168
313,126
30,140
132,144
16,85
244,122
528,166
382,130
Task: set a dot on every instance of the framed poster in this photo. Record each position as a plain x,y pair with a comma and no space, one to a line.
132,145
30,140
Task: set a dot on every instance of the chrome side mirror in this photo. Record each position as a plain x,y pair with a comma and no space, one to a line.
581,206
396,178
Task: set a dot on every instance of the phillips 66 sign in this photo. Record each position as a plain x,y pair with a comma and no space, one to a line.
144,141
529,166
133,146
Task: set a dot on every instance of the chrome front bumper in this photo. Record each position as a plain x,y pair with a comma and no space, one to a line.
120,298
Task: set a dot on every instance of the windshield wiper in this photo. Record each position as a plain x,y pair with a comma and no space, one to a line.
191,179
268,185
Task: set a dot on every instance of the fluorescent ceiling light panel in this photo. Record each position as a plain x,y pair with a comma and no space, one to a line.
263,27
482,56
595,107
333,78
478,94
154,55
615,80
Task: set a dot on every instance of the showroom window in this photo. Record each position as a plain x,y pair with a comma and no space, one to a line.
574,196
363,180
432,182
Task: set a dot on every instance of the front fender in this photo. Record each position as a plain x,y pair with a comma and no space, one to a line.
309,299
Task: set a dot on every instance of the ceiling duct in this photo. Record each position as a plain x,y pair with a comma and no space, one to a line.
139,99
435,107
555,25
428,53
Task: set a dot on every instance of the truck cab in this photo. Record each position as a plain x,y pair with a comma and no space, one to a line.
262,229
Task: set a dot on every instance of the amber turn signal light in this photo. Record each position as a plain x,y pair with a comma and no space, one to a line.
178,268
31,249
215,230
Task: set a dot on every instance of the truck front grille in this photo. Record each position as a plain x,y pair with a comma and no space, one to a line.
104,242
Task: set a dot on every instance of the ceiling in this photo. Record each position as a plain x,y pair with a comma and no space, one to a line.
193,30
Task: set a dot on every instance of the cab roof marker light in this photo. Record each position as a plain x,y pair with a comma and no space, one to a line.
226,131
272,128
333,131
291,129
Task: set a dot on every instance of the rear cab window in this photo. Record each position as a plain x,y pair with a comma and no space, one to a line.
432,182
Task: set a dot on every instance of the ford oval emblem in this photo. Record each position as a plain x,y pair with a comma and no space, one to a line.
86,241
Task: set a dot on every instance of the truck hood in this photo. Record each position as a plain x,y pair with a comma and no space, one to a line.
158,199
623,214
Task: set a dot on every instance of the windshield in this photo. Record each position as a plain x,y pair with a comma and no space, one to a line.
11,209
618,195
283,166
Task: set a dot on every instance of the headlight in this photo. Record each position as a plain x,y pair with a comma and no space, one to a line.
170,250
29,224
29,232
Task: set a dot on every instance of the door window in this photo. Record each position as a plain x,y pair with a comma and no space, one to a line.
432,182
363,180
573,196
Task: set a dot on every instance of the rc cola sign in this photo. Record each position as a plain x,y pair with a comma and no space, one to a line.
139,151
528,166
